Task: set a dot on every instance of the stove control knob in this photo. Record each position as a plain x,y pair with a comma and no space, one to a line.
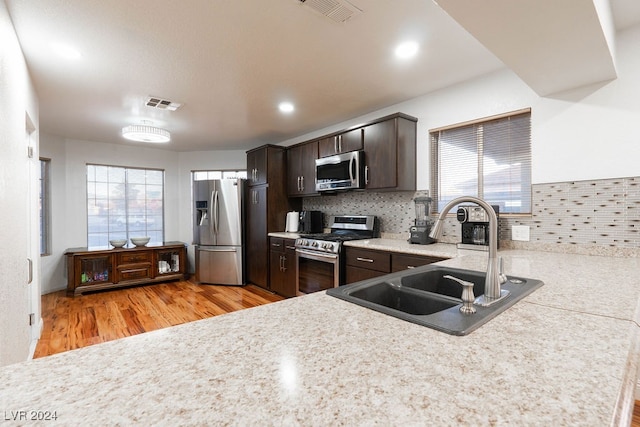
314,244
327,246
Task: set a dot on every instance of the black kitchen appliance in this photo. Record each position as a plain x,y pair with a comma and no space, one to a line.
423,222
475,226
310,222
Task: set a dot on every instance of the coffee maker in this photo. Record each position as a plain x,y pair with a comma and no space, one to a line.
423,222
475,226
310,222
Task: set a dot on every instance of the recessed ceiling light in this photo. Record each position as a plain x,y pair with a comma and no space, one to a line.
66,51
286,107
407,50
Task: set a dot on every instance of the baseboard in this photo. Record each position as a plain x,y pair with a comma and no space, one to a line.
34,342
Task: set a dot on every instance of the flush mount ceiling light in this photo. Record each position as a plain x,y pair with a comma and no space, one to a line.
407,50
146,133
286,107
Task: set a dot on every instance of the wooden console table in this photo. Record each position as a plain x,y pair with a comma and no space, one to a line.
92,269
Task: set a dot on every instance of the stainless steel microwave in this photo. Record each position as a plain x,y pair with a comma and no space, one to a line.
340,172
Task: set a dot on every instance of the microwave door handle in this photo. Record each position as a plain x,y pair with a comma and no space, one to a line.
351,171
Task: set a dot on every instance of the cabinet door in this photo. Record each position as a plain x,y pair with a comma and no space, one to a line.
276,272
356,274
301,169
93,269
351,141
380,155
289,263
169,261
257,247
257,166
342,143
282,267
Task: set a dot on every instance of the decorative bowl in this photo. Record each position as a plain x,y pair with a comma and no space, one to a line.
118,243
140,241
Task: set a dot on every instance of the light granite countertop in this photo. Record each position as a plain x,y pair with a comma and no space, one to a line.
565,355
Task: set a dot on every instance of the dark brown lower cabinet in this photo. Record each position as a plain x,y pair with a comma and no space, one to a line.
282,256
365,264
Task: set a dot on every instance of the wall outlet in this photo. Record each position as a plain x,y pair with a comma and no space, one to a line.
520,233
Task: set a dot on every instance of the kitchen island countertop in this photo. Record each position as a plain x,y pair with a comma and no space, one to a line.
565,355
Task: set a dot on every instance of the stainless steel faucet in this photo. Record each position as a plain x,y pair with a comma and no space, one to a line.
494,278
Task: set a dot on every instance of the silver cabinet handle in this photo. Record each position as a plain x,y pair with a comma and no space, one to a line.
298,183
335,145
302,183
364,259
340,143
366,175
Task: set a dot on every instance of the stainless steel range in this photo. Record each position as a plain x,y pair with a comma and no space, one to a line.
320,258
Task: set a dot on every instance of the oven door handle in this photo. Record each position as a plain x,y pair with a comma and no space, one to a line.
319,256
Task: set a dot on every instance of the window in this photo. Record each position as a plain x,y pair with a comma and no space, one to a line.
219,174
490,159
124,203
45,207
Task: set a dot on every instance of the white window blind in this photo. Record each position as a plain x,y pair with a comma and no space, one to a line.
490,159
124,203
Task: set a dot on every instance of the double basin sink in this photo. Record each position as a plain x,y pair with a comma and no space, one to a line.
425,296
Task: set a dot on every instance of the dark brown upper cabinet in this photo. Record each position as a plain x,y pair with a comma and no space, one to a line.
340,143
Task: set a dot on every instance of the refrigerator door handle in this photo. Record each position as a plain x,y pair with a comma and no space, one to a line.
216,213
211,215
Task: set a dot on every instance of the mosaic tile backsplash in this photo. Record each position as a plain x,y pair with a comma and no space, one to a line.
597,213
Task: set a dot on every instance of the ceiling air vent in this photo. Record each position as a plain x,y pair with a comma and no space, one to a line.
336,10
162,104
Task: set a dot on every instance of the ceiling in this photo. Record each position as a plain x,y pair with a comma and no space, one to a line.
231,62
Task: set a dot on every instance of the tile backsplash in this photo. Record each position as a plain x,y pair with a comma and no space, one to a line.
575,216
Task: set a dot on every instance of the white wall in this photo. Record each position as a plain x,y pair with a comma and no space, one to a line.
17,213
52,266
589,133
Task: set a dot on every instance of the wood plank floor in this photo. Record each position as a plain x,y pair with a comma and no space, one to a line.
71,323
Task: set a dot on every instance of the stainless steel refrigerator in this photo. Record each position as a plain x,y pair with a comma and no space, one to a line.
218,231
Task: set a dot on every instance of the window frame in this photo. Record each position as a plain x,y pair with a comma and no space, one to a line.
158,231
478,125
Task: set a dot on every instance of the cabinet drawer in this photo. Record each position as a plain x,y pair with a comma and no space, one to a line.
371,260
134,257
135,273
401,262
276,244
